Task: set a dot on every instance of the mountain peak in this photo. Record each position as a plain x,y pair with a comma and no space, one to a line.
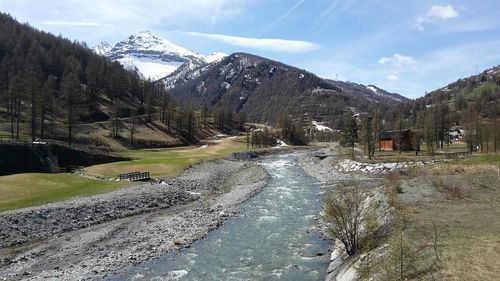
152,56
145,35
215,56
102,48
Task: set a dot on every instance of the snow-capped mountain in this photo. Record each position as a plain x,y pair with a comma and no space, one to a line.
152,56
216,56
103,48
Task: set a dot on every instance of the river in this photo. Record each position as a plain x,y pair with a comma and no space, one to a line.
274,237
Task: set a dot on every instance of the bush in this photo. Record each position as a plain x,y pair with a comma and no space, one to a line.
343,216
394,182
452,189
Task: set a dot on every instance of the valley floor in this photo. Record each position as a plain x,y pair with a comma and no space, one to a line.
85,238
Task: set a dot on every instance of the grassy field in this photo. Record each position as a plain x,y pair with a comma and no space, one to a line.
466,218
168,162
479,159
30,189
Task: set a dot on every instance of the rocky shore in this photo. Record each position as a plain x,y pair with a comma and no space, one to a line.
87,238
331,172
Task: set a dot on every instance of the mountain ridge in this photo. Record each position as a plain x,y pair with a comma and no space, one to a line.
255,85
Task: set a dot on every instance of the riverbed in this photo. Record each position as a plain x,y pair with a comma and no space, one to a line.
273,237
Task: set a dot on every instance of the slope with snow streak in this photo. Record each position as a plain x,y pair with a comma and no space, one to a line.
382,93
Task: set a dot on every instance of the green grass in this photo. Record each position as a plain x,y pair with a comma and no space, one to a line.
479,159
31,189
168,162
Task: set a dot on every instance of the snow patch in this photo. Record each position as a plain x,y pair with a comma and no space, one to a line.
373,89
280,143
215,57
150,68
321,127
102,48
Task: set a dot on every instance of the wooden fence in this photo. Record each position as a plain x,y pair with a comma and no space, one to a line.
135,176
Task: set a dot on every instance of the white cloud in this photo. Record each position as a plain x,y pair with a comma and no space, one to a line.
126,16
398,60
77,23
436,13
441,12
272,45
392,77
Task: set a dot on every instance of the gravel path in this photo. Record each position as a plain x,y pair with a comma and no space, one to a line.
88,237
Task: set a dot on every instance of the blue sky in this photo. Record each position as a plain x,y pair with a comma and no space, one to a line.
408,47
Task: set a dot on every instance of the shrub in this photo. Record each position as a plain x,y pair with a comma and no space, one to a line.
448,186
343,215
405,259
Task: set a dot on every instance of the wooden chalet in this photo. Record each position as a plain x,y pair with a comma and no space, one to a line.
389,141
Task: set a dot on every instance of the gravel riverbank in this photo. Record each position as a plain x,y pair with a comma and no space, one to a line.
86,238
329,172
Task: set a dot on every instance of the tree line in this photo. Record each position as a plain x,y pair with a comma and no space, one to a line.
429,122
47,80
53,84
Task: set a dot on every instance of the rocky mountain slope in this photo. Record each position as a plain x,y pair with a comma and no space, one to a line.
262,89
152,56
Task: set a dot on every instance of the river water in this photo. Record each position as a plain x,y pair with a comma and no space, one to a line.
274,237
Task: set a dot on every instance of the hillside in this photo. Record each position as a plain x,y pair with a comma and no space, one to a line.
471,104
262,89
52,88
481,91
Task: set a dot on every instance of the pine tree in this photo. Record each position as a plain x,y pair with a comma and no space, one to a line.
71,89
47,102
350,132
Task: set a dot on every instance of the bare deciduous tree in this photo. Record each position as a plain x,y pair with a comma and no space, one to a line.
344,214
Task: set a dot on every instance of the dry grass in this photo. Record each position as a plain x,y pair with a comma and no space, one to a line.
451,187
168,162
99,134
472,258
469,228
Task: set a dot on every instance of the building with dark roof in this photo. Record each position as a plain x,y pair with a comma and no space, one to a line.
390,140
